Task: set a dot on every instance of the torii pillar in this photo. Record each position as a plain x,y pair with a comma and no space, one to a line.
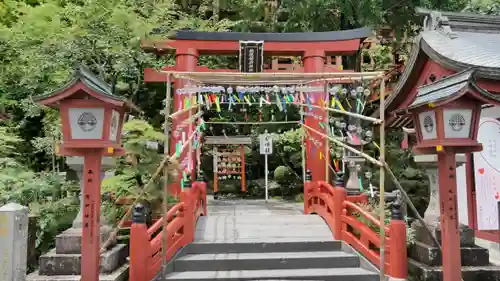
314,62
186,59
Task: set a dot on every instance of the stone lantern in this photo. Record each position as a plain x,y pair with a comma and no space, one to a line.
446,117
91,119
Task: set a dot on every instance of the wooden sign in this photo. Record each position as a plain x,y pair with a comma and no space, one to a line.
266,144
251,56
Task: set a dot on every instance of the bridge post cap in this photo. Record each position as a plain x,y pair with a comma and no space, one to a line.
339,180
139,214
396,213
187,182
308,175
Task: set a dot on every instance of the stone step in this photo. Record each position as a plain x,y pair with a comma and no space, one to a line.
326,274
70,241
53,263
431,256
259,246
120,274
422,235
424,272
255,261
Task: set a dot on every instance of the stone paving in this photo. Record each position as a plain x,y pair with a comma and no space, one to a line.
255,220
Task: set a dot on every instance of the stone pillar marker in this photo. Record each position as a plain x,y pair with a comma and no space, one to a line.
13,242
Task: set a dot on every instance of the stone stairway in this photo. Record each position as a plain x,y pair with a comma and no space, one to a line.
252,240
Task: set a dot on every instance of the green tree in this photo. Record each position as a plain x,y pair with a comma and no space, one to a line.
485,7
42,42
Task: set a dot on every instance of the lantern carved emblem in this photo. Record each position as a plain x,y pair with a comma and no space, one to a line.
457,122
428,124
87,121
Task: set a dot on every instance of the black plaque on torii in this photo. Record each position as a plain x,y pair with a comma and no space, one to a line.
251,56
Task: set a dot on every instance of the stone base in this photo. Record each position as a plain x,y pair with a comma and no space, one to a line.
70,241
120,274
431,256
422,272
422,235
53,263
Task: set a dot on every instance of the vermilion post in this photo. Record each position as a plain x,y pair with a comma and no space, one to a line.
203,192
339,196
398,261
187,215
91,215
452,270
139,246
314,61
308,189
186,59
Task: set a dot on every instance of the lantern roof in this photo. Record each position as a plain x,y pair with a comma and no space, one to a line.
84,79
450,88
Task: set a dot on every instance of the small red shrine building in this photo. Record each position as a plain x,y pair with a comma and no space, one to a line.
450,43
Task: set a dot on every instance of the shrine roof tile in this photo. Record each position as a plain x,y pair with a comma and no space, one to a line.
464,50
359,33
84,75
442,89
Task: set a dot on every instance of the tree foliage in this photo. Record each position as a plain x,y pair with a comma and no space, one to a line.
485,7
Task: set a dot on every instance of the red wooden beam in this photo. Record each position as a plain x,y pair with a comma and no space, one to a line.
346,47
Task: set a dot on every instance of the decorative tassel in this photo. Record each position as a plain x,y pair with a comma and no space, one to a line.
217,104
231,102
247,100
360,184
278,102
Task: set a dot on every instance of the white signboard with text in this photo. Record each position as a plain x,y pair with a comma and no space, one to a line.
487,174
266,144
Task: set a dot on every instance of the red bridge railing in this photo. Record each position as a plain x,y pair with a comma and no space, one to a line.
146,243
345,218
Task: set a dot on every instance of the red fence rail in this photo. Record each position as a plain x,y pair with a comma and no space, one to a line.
146,243
342,215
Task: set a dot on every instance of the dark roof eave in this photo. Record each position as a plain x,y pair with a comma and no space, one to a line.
471,85
83,75
359,33
461,16
482,72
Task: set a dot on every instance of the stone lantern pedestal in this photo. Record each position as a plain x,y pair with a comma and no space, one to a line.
69,242
424,257
64,262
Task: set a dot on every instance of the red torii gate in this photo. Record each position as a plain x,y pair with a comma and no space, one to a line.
313,47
